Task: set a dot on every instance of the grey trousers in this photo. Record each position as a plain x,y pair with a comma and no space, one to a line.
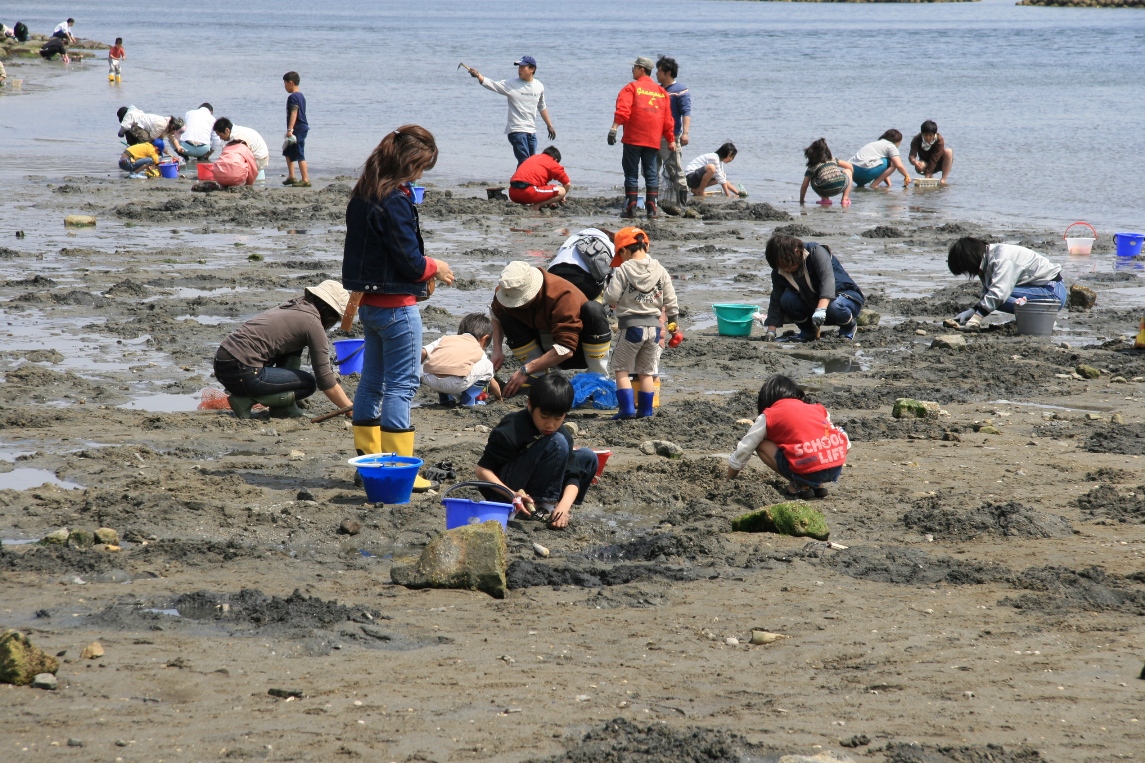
672,163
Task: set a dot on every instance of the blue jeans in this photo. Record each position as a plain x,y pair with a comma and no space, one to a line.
134,166
540,471
637,158
391,364
861,175
524,145
840,311
197,150
1051,291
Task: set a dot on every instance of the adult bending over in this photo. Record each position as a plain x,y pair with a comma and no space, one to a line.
809,288
261,362
585,260
236,165
1008,273
531,183
228,131
929,154
197,137
384,264
876,162
547,323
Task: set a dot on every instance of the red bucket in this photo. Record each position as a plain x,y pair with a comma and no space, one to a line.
601,459
206,171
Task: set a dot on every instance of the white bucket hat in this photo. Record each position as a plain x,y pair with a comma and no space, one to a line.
520,283
332,293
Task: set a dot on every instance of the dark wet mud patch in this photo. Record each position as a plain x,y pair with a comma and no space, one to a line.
872,428
35,282
1003,520
799,230
524,573
991,753
60,297
621,741
740,210
883,231
671,484
57,560
909,566
1109,474
946,302
698,424
1122,439
1107,502
1058,590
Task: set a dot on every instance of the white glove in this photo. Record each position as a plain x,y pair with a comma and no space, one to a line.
819,317
964,316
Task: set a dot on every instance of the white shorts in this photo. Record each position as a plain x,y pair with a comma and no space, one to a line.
637,351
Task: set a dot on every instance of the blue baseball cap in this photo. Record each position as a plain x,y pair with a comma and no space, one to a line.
526,60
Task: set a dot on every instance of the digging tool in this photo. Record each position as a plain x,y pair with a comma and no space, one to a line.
328,416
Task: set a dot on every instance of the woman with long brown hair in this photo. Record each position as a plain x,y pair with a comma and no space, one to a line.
384,261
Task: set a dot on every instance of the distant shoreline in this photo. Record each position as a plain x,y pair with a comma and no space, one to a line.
1086,3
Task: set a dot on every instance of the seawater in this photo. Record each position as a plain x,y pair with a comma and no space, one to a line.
1041,105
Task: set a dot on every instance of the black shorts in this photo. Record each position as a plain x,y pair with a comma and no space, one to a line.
695,177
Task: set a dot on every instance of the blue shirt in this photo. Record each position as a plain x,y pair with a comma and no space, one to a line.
297,100
681,104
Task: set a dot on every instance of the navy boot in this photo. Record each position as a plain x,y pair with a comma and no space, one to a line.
627,410
644,408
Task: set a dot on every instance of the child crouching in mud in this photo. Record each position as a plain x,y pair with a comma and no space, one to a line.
795,438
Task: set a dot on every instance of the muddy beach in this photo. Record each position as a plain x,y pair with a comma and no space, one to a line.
987,606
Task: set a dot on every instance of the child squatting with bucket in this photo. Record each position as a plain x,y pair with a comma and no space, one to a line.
456,366
795,438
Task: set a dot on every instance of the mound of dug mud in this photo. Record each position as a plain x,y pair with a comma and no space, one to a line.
1123,439
1107,501
991,753
1005,520
56,560
621,741
1057,590
871,428
741,210
911,566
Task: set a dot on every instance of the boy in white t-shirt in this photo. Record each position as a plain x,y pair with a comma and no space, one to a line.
456,366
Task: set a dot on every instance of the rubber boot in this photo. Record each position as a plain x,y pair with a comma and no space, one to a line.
282,405
651,202
469,396
683,197
367,437
523,354
596,356
644,410
118,78
627,408
111,78
401,443
444,399
631,199
241,405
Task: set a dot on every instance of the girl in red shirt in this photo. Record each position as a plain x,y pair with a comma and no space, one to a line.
795,438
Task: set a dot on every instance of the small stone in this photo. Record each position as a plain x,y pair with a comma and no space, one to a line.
179,662
1094,417
731,641
869,317
285,693
73,742
45,681
1087,372
120,743
988,429
1119,380
949,436
949,342
858,740
58,537
481,429
472,557
540,551
81,539
1081,297
661,448
92,651
254,257
1064,345
296,455
107,536
968,694
349,527
744,422
766,637
79,221
573,428
304,495
1117,418
582,698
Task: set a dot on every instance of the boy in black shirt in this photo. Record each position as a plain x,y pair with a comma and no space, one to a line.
531,453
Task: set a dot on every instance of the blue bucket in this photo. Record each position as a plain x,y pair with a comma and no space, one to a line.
388,478
348,355
460,512
1128,244
170,170
418,194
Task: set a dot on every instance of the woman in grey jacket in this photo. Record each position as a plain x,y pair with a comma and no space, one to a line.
1008,273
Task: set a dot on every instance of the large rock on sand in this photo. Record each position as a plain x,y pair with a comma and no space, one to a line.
1081,297
20,662
473,557
907,408
791,518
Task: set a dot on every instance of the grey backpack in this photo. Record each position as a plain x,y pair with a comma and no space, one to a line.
597,256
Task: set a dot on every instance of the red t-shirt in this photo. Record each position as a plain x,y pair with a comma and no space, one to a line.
805,434
643,108
539,169
116,52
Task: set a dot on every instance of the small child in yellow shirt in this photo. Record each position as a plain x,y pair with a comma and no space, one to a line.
140,160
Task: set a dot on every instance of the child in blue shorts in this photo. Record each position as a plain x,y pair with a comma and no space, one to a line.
294,149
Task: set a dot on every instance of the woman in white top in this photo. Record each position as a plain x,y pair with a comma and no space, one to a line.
876,162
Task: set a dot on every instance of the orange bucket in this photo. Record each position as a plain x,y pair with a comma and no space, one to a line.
206,171
601,459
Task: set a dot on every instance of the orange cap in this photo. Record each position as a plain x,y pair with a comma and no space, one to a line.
627,237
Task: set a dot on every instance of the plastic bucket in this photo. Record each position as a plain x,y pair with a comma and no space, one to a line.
348,355
734,311
387,478
1079,246
1037,318
205,171
602,457
1128,244
170,170
460,512
728,327
418,194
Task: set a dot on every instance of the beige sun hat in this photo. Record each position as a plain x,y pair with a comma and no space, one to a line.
332,293
520,283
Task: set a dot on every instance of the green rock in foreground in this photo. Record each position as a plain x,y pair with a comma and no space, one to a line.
20,662
791,518
473,557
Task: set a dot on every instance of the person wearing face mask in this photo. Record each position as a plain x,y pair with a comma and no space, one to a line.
810,289
929,154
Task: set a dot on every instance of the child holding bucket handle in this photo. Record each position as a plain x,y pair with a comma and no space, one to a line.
1008,273
531,452
810,288
826,175
795,438
456,366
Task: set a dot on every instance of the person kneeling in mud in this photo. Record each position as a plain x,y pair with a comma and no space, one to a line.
531,453
795,438
1008,273
531,183
456,366
809,288
261,362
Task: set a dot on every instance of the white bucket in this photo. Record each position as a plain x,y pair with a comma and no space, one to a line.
1080,246
1037,318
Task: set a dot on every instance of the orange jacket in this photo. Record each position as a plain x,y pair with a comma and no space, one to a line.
643,108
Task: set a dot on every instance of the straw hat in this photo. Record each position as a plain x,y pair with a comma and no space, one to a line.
520,283
332,293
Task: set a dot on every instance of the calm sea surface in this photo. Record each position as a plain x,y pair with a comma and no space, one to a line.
1042,106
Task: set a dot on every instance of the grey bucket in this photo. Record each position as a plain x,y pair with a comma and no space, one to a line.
1037,318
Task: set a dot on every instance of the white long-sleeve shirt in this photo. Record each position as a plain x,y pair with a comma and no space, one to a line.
153,124
525,100
749,444
254,142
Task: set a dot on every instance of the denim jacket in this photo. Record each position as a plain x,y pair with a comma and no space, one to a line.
384,252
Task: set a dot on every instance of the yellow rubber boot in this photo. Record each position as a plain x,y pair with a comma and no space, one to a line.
118,78
367,439
596,357
111,78
401,443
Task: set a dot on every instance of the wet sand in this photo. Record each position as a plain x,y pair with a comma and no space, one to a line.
991,593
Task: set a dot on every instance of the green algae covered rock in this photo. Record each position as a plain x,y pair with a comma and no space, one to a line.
790,518
20,662
472,557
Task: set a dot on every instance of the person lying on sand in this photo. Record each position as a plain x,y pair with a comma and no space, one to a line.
1008,273
795,438
810,289
531,181
531,452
